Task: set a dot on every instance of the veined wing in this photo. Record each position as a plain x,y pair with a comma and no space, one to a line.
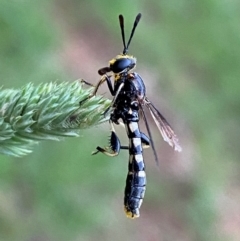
163,126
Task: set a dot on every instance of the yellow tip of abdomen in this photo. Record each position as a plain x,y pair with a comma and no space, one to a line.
130,214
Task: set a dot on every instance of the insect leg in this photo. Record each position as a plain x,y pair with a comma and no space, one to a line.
116,92
86,83
114,147
100,82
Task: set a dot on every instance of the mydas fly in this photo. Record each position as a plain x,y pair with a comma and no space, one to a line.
129,97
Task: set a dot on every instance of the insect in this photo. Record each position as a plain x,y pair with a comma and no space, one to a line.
129,97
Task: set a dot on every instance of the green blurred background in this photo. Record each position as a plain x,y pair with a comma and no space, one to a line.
188,54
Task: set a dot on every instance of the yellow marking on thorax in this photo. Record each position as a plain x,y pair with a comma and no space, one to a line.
117,77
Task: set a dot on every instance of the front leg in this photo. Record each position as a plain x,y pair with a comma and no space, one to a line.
100,82
116,92
109,83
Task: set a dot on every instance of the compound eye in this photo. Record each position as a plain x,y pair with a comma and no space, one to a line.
120,64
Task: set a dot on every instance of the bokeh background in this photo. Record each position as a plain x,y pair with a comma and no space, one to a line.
188,54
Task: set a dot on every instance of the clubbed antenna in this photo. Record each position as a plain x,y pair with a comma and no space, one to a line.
121,21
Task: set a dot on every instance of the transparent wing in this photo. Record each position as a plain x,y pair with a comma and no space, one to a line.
163,126
149,134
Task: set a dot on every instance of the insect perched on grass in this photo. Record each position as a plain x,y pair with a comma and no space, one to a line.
129,97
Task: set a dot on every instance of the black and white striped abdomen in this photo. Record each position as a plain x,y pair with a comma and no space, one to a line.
136,178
